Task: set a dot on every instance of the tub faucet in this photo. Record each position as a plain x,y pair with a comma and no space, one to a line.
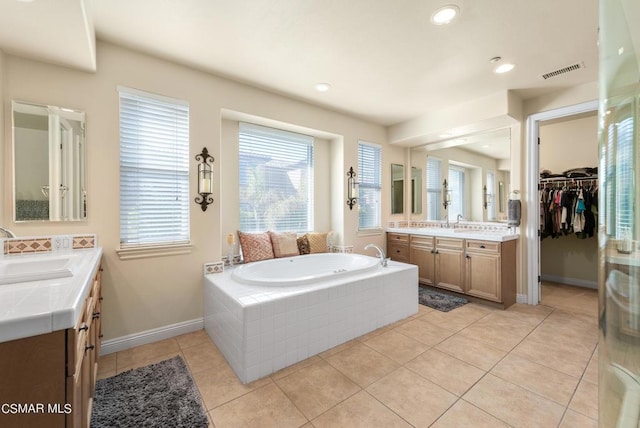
383,258
6,233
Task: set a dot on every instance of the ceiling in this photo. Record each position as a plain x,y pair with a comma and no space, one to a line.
385,61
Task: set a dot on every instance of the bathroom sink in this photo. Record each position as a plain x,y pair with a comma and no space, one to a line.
35,268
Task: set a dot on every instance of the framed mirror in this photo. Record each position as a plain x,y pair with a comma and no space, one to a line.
469,163
49,163
397,188
416,190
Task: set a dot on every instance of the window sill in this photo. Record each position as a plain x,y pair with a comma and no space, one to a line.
370,232
143,252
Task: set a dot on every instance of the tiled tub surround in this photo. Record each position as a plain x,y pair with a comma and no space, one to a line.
261,330
39,307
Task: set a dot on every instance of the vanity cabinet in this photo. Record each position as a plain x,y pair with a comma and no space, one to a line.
475,267
54,372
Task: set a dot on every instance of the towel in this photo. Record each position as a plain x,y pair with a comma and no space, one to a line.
513,212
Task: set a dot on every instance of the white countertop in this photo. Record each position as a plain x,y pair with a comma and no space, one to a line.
483,235
39,307
613,256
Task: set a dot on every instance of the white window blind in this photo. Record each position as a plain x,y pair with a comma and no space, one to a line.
154,169
370,188
456,187
625,202
276,179
434,188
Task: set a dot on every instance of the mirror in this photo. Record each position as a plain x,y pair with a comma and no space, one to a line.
49,152
469,163
416,190
397,188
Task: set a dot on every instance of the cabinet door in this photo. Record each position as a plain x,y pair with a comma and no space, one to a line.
450,269
424,258
483,276
398,252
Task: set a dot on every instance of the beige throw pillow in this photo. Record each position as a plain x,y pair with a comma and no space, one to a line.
284,244
255,246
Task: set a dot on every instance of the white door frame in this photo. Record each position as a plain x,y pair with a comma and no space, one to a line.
531,190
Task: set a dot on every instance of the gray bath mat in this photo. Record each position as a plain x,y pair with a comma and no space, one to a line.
438,300
158,395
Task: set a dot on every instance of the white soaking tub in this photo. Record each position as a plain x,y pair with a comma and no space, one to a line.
265,316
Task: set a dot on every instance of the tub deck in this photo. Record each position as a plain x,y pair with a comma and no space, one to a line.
261,330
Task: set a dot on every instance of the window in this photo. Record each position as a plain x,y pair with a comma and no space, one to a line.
625,202
434,188
456,187
154,169
370,188
276,179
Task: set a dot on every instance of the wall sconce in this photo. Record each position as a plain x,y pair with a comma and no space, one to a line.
205,179
352,190
446,194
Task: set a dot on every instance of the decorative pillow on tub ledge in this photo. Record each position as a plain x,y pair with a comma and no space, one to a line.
284,244
303,245
255,246
317,242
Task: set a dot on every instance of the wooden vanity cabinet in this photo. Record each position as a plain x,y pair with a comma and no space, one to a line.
55,370
422,254
398,247
449,264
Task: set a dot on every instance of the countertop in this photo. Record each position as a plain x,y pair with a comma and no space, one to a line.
483,235
39,307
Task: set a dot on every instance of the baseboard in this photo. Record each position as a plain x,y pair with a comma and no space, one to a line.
522,298
142,338
570,281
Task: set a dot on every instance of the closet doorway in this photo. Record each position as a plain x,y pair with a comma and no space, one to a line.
562,258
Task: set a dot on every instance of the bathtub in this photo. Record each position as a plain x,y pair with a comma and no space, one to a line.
268,315
298,270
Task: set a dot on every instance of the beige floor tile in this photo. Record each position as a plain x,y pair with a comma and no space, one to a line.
422,310
472,351
531,314
498,331
360,411
203,356
295,367
416,400
374,333
513,404
265,407
397,346
317,388
339,348
573,419
141,362
455,320
107,363
220,385
554,354
591,373
192,339
141,354
463,414
452,374
362,364
542,380
585,400
423,331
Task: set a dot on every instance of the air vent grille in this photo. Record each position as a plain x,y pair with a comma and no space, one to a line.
563,70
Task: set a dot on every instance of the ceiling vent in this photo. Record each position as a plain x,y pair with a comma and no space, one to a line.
564,70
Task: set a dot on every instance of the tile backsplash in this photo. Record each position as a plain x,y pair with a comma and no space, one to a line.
39,244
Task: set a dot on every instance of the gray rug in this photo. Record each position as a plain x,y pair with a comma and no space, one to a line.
438,300
158,395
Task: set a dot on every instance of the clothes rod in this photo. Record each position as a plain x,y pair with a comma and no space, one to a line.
568,179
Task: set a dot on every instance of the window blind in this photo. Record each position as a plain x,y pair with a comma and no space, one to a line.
456,186
276,179
154,169
434,188
370,188
625,201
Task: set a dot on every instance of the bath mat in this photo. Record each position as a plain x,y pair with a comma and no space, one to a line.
158,395
438,300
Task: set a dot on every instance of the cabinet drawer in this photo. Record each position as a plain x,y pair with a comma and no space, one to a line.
422,241
398,237
482,246
453,243
398,252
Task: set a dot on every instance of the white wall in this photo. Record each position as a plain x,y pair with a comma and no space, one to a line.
149,293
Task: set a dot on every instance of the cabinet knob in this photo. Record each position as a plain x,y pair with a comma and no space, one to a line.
89,347
84,327
468,256
101,270
96,315
101,298
482,246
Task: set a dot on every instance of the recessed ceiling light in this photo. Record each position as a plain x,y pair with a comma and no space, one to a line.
504,68
445,14
323,87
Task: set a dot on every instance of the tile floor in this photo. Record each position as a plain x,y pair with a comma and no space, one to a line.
472,367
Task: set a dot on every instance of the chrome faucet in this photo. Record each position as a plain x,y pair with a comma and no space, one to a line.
6,232
383,257
459,218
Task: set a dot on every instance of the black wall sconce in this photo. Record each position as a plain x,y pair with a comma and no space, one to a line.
485,197
205,179
352,190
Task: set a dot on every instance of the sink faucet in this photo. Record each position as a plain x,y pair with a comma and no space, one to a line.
6,232
383,258
459,218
